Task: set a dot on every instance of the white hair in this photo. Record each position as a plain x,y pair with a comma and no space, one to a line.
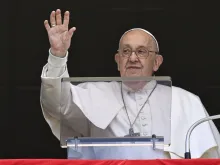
157,45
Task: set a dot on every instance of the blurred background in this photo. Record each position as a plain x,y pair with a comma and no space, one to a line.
188,33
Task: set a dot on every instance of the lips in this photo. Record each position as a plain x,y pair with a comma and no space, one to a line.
134,67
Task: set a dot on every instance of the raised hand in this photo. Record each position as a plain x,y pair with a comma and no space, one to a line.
59,34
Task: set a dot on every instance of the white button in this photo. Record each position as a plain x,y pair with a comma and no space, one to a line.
144,125
142,117
141,104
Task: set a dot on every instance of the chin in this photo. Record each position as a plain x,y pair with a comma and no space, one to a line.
132,75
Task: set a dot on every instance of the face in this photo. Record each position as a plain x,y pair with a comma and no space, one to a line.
142,63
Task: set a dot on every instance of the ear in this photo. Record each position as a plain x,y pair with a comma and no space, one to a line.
158,61
117,60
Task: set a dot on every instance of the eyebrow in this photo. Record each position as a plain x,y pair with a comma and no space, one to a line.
126,45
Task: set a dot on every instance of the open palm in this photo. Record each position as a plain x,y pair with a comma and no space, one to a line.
58,33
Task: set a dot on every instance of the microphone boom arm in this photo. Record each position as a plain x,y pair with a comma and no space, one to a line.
187,142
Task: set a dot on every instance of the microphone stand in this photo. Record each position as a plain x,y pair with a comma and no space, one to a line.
187,142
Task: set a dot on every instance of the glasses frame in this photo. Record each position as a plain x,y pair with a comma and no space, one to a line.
136,53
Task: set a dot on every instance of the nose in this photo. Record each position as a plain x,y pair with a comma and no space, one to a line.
133,57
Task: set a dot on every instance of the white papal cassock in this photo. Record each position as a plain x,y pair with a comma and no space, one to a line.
101,112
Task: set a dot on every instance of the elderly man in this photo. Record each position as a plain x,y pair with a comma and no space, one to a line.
138,55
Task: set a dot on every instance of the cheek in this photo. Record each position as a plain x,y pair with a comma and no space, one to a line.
144,63
147,64
122,64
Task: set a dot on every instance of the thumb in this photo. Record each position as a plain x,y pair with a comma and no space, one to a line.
71,31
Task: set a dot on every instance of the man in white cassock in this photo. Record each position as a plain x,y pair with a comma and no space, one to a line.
101,111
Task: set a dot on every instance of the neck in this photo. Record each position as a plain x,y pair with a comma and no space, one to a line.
135,85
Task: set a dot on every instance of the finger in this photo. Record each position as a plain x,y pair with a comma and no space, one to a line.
58,17
71,31
52,18
66,19
46,24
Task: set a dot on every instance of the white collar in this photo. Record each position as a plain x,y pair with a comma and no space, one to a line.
148,86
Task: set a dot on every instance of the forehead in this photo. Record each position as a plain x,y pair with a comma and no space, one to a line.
136,38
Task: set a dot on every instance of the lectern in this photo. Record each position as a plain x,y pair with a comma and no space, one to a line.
115,117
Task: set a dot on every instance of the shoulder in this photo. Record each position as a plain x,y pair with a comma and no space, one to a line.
186,98
177,91
179,95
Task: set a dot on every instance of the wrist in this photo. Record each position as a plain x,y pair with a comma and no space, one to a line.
58,53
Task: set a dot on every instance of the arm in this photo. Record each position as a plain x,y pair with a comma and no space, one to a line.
52,74
53,71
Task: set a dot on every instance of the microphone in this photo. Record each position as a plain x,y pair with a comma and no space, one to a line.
187,142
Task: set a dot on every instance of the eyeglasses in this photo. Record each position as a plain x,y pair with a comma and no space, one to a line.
140,52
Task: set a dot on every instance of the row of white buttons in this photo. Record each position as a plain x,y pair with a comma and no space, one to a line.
143,114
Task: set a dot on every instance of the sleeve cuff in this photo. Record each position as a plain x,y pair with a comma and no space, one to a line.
57,61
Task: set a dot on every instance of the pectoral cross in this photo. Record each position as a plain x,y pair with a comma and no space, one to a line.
131,133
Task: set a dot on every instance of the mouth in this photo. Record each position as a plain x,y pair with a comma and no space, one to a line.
133,67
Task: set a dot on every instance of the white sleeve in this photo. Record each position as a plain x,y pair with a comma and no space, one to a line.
50,98
56,66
